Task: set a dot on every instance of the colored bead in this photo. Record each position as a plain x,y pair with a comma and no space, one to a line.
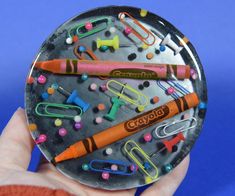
192,71
133,167
93,86
162,48
108,151
77,118
114,167
105,175
186,115
148,180
81,49
146,84
75,38
155,99
157,51
149,56
69,40
55,86
202,106
58,122
85,166
62,132
140,108
30,80
88,26
107,33
112,29
148,137
42,79
147,165
45,95
101,107
168,168
132,56
140,49
145,46
42,138
121,16
103,87
98,120
32,127
78,125
170,90
50,91
104,48
128,30
194,76
143,13
141,87
84,76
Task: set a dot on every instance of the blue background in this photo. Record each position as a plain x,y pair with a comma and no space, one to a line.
209,24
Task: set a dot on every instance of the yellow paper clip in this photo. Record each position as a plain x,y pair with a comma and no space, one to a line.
134,148
141,100
147,34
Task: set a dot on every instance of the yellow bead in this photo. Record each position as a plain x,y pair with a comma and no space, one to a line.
58,122
148,180
145,46
143,12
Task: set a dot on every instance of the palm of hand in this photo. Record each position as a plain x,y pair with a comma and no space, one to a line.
16,146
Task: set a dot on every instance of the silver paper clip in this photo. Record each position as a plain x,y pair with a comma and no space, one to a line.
133,150
123,168
165,130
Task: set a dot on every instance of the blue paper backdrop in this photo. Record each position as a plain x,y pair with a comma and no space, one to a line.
209,24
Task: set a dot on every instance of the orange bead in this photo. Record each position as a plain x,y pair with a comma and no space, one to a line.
32,127
149,56
30,80
155,99
101,107
50,91
75,38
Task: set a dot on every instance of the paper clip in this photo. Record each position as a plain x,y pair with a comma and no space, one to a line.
176,87
105,166
165,130
145,38
81,55
42,109
140,97
151,172
98,24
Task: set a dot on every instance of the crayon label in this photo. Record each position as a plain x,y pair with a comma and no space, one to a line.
146,119
133,73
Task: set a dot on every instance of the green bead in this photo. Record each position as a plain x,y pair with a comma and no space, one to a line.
85,167
168,168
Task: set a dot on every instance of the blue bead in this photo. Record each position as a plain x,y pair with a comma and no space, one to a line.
168,168
104,48
81,49
55,86
45,95
147,165
162,48
202,106
84,76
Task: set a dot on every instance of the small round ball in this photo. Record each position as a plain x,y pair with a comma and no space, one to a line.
93,86
88,26
149,55
105,175
63,132
202,105
127,30
75,38
103,87
85,166
168,168
112,29
30,80
101,107
108,151
147,137
55,86
58,122
84,77
98,120
170,90
41,138
77,118
77,125
114,167
81,49
140,108
50,90
121,16
45,96
104,48
162,48
69,40
155,100
147,165
133,167
42,79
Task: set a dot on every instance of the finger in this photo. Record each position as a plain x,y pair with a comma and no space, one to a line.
168,184
16,144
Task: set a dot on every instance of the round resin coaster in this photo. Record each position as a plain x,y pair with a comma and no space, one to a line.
116,98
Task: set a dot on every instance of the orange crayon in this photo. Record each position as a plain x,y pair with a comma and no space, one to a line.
129,127
115,69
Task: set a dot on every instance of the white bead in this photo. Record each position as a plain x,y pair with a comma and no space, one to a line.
69,40
112,29
77,118
109,151
121,16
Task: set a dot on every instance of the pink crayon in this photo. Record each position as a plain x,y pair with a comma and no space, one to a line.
115,69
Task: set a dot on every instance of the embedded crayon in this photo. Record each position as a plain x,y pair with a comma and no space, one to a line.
129,127
115,69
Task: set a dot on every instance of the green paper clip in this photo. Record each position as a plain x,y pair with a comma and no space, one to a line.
45,107
98,24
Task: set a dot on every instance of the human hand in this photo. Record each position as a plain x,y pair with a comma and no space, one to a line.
16,145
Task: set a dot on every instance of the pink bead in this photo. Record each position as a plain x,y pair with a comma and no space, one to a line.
127,30
42,79
133,167
98,120
192,71
93,86
194,76
42,138
105,175
114,167
147,137
62,132
103,87
88,26
170,90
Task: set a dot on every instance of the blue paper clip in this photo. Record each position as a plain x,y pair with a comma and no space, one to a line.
179,89
43,109
105,166
136,153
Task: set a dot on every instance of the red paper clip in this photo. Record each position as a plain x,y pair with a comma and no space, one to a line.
144,39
